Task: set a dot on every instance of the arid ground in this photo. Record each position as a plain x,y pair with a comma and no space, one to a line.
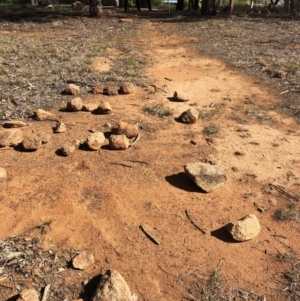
53,207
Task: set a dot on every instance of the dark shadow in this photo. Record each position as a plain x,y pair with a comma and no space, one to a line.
182,181
65,110
13,298
90,288
172,99
20,148
223,234
58,152
107,134
84,147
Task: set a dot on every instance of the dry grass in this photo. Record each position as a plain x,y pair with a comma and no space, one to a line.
157,110
288,214
211,129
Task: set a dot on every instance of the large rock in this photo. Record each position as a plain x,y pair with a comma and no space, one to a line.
103,108
189,116
75,104
112,287
83,260
95,140
3,174
127,88
31,143
245,228
124,128
118,142
29,295
180,96
14,124
11,137
71,89
41,114
206,176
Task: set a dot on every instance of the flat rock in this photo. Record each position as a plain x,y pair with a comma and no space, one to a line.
60,127
97,89
206,176
3,174
11,137
75,104
95,140
83,260
127,88
31,143
71,89
44,137
89,107
112,90
125,128
41,114
112,287
14,124
180,96
28,295
189,116
118,142
67,149
245,228
103,108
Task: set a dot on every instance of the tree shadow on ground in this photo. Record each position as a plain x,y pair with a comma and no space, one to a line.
223,234
182,181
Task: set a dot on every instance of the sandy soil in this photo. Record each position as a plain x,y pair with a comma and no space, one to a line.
97,200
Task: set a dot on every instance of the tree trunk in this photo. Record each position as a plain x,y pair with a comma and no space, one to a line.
231,2
149,5
126,7
180,5
295,8
138,5
208,7
196,5
95,8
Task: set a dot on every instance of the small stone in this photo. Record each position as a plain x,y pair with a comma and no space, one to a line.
179,96
245,228
280,74
75,104
127,88
124,128
95,140
83,260
112,90
206,176
67,149
31,143
107,125
41,114
3,174
11,137
272,202
89,107
29,295
77,142
14,124
189,116
60,127
118,142
44,137
104,108
112,287
125,20
71,89
97,89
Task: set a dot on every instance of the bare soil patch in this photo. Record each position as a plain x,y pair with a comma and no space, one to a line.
53,207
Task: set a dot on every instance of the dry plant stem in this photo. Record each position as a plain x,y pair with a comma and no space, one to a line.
188,273
194,224
219,264
282,191
149,235
157,88
46,292
136,140
278,235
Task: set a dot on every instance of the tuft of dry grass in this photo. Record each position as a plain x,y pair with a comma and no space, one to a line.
157,110
211,129
287,214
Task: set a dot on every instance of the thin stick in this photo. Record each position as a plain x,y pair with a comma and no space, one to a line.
149,235
188,273
46,291
194,224
219,264
279,189
169,79
283,92
278,235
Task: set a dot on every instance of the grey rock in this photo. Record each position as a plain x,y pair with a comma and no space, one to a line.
112,287
206,176
189,116
245,228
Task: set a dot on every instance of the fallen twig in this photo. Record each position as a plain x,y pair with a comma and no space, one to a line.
157,88
284,92
194,224
169,79
188,273
149,235
46,291
137,161
121,164
136,140
282,191
279,235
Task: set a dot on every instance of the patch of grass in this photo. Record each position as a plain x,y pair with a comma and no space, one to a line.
238,118
208,115
287,214
157,110
211,129
258,115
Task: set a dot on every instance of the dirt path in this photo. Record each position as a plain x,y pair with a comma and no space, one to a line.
96,201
